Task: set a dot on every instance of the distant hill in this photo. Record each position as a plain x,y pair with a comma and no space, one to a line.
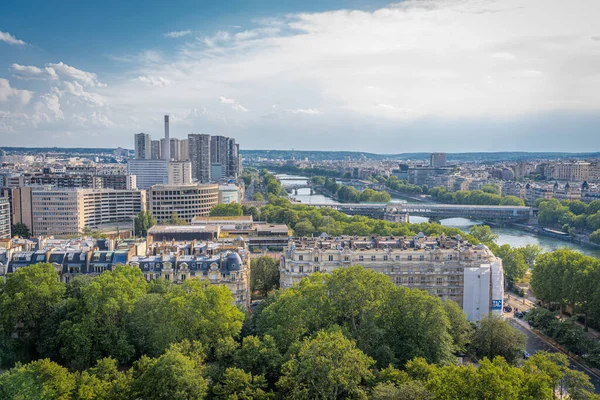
355,155
339,155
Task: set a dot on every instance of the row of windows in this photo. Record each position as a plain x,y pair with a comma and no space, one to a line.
386,258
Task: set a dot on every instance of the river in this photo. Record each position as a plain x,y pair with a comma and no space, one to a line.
511,236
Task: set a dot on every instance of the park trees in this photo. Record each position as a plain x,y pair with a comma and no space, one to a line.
328,366
264,275
26,298
20,229
495,337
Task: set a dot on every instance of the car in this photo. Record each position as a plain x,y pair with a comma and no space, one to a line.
508,309
519,314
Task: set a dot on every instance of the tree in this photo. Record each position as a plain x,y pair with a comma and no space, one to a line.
260,357
513,262
240,385
412,390
26,298
304,228
175,375
226,210
328,366
176,220
595,236
258,197
530,253
103,382
483,233
95,324
264,275
495,337
192,311
20,229
38,380
460,327
142,222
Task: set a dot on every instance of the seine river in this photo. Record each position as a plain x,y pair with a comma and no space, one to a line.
511,236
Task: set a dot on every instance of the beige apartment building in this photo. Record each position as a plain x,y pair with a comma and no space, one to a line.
448,268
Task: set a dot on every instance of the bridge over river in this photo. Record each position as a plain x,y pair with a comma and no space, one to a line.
435,212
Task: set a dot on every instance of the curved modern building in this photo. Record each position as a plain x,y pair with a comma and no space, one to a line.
188,201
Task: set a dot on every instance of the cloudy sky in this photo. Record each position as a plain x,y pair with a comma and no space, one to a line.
418,75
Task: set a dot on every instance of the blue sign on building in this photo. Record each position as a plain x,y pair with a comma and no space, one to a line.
496,304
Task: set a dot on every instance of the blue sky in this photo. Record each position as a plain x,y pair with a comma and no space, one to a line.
420,75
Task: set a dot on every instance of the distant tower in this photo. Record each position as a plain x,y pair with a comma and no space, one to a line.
166,151
142,146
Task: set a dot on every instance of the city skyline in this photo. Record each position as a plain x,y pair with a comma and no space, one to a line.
354,75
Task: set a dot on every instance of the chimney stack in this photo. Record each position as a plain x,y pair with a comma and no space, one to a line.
167,148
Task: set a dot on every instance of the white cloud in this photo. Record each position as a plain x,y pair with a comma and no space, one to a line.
7,93
66,71
234,104
10,39
177,34
415,61
157,81
27,72
76,89
307,111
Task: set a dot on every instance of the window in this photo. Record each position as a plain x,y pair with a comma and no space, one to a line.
397,258
331,257
300,258
301,269
183,277
167,276
421,257
317,268
361,258
346,258
409,258
411,280
373,258
449,256
316,258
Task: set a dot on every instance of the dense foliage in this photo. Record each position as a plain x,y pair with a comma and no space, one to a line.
347,334
402,185
569,213
264,275
20,229
474,197
568,278
349,194
142,222
227,210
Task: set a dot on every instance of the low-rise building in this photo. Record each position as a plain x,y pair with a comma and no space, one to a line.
448,268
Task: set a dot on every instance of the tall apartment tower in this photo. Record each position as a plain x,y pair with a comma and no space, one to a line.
143,146
184,152
199,154
4,218
155,153
233,167
166,148
437,160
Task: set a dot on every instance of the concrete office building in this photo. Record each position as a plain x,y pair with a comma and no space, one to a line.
52,211
574,172
143,146
156,150
5,218
148,172
199,154
188,201
448,268
166,144
180,173
233,159
437,160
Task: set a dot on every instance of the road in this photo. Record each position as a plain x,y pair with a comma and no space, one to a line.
536,343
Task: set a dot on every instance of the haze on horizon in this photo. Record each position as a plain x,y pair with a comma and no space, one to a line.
418,75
